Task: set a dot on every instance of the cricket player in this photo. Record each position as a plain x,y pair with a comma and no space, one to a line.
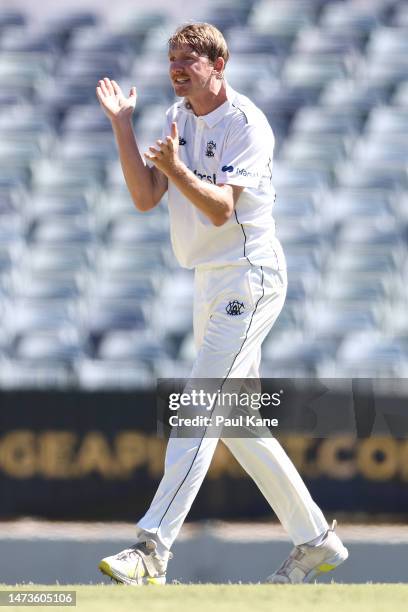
215,161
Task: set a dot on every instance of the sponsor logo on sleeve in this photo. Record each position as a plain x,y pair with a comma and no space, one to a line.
208,178
244,172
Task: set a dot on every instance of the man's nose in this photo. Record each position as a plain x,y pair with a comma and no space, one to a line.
175,66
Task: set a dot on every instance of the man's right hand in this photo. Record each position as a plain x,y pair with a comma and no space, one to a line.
112,100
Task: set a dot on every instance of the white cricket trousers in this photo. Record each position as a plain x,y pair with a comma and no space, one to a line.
229,347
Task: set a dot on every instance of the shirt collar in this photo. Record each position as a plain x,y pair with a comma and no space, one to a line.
216,115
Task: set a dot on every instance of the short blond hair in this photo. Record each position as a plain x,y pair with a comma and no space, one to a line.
204,38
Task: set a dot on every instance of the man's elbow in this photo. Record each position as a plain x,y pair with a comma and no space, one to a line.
143,204
222,217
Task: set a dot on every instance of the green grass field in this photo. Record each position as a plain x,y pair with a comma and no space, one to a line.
234,598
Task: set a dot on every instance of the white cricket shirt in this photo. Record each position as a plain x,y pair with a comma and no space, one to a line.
231,145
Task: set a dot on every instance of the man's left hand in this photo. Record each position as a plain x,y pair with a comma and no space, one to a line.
165,157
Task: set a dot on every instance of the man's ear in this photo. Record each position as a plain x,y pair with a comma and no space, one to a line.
219,66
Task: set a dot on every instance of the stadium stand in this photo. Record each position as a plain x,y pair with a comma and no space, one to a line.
83,278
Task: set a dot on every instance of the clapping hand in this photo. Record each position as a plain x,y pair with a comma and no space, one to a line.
114,104
165,157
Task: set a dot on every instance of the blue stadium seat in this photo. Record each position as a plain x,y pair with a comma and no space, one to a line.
141,23
187,350
122,287
105,39
326,149
31,315
131,230
372,349
131,346
365,174
303,233
251,73
387,42
303,261
376,232
400,96
31,38
353,95
45,205
350,289
300,176
12,229
326,319
92,65
65,23
312,71
244,40
25,68
281,19
400,206
16,95
365,260
315,41
385,70
125,259
85,119
17,375
172,368
20,149
296,348
387,119
326,120
390,150
67,174
58,94
10,201
27,286
285,98
296,203
100,147
400,16
357,204
175,299
351,16
55,260
49,346
93,375
104,315
6,261
11,17
62,231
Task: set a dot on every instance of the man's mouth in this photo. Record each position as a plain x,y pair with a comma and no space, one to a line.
181,80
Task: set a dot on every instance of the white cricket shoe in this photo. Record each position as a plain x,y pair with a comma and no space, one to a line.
137,565
306,562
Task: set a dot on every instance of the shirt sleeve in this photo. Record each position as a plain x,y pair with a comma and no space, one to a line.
247,156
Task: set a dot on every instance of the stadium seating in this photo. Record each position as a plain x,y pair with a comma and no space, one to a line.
90,293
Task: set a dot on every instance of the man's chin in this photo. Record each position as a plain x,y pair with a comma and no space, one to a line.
181,90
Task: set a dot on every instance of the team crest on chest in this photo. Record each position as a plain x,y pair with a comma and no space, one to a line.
234,308
210,150
182,141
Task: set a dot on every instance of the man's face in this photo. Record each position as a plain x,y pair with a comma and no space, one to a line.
190,73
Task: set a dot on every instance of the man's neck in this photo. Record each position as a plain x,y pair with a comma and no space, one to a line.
211,101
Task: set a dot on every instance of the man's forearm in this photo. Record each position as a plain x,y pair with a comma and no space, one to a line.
216,204
138,176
